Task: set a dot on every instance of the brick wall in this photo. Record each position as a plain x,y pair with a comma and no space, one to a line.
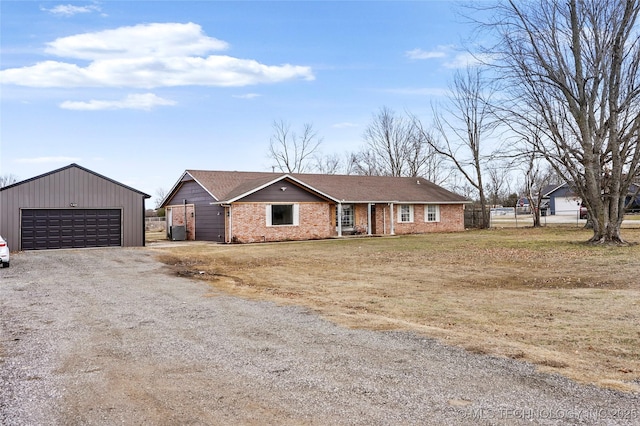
177,217
360,216
250,224
451,220
452,217
317,221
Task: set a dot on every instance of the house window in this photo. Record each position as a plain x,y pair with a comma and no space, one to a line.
405,213
282,214
432,213
347,216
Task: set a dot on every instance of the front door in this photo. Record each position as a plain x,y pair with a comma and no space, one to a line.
347,219
373,218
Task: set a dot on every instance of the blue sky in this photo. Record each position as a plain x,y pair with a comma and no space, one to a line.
141,90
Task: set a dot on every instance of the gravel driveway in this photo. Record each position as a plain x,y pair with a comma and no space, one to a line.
109,336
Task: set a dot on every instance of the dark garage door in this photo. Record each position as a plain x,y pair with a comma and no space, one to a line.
70,228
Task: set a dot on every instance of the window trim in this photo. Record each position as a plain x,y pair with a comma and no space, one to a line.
400,213
295,213
437,213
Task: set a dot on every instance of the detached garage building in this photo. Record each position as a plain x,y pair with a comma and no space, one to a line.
71,207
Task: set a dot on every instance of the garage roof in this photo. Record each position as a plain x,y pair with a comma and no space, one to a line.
78,167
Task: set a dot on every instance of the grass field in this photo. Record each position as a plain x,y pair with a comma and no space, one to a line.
538,295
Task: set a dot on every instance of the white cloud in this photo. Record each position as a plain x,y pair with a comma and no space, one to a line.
70,10
140,41
450,55
247,96
419,91
421,54
344,125
148,56
466,59
146,101
150,72
43,160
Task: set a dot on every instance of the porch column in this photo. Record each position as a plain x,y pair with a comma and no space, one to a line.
369,219
392,220
339,219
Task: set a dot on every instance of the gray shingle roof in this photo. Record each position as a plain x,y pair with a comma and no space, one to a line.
226,186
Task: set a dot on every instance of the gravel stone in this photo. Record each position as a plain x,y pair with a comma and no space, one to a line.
111,336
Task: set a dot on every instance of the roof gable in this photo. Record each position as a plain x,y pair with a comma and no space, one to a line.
283,189
74,165
550,189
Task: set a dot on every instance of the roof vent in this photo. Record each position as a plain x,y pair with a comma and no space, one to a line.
418,182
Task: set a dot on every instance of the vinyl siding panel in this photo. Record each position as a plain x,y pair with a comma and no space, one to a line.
274,194
209,218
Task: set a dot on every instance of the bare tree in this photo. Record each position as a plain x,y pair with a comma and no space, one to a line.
292,153
160,194
538,176
573,73
349,166
434,167
366,163
461,186
6,180
387,140
461,129
497,187
330,164
395,146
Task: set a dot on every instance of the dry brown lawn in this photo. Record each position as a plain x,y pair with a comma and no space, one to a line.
538,295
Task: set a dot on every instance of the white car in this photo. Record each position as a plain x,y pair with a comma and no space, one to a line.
4,253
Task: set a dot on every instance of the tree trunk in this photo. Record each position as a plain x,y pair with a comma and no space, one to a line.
611,236
536,218
607,232
483,203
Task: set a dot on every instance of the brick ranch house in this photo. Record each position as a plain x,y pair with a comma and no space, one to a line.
250,207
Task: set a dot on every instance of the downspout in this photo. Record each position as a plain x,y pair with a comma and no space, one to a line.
393,228
230,226
186,228
339,219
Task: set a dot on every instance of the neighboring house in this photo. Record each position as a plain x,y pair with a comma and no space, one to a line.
563,201
260,206
71,207
632,200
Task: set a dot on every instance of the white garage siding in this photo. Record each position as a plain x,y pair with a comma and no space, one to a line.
566,206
